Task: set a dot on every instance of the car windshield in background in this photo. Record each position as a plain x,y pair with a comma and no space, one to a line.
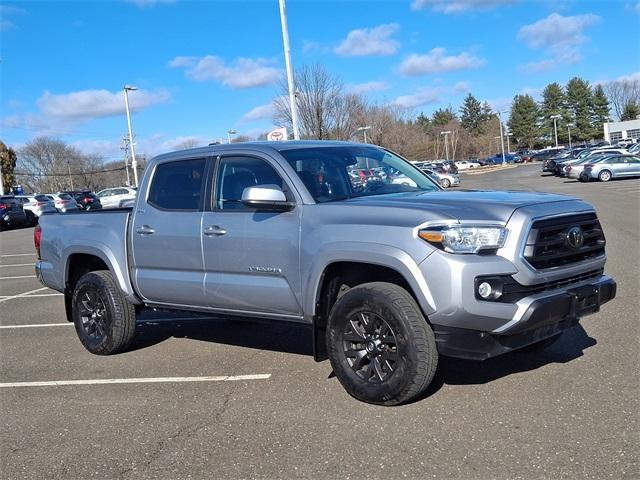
342,172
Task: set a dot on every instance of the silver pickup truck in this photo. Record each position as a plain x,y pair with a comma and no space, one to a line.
389,274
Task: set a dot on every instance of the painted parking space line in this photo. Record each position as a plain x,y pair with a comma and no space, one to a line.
18,277
37,295
19,255
18,265
11,297
36,325
114,381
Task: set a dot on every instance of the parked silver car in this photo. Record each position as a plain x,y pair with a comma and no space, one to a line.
63,202
575,169
445,180
36,204
619,166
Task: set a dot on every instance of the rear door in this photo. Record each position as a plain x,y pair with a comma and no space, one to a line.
166,230
251,258
632,167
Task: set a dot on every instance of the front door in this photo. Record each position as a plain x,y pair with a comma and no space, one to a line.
166,234
251,258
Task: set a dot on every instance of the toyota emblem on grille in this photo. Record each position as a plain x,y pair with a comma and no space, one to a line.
574,237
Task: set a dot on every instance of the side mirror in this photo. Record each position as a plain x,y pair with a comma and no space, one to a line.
266,197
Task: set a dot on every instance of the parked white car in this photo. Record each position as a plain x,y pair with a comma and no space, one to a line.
112,197
466,164
37,204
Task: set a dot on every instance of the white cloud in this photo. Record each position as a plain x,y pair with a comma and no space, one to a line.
360,88
258,113
533,91
422,97
104,148
458,6
243,73
501,104
369,41
89,104
437,62
560,37
184,141
461,87
9,11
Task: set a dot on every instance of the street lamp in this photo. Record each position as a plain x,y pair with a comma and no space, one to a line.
446,134
229,133
134,163
569,125
287,61
555,126
364,131
508,134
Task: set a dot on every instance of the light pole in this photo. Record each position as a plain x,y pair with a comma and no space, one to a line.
446,134
134,163
287,60
569,125
364,131
504,160
1,182
508,134
555,126
229,133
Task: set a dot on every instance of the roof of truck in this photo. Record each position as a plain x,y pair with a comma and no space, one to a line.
258,146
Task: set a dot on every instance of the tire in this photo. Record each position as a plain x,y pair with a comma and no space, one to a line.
380,346
446,183
541,345
604,176
105,321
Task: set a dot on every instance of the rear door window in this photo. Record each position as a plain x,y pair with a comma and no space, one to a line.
178,185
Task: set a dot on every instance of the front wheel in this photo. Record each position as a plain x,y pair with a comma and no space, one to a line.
381,347
105,321
604,176
446,183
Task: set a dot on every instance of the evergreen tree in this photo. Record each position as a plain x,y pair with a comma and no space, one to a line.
554,102
8,160
581,106
631,111
472,116
523,121
423,121
442,116
600,113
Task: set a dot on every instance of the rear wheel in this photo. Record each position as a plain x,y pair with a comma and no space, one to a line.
381,347
446,183
604,176
105,321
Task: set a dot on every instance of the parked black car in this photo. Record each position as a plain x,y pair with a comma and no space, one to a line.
86,199
11,213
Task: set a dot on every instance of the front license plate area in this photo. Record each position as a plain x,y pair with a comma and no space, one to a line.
585,300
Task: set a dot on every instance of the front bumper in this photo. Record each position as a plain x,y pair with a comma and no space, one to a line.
547,315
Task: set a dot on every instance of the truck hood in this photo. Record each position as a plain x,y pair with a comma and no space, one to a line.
484,205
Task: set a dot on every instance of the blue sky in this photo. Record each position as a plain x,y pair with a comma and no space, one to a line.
204,67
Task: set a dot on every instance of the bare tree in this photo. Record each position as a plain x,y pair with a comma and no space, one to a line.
622,93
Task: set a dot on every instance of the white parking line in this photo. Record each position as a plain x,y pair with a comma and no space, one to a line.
36,325
19,255
22,294
16,278
18,265
108,381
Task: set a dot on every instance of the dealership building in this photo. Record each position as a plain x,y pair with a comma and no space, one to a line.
616,131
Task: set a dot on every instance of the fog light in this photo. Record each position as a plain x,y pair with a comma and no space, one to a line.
485,290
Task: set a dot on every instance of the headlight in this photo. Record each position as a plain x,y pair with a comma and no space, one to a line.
465,238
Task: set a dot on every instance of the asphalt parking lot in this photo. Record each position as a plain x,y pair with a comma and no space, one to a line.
223,399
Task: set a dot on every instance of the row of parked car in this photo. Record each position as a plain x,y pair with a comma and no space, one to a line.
599,164
25,210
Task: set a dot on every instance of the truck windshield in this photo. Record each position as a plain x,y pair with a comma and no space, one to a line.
342,172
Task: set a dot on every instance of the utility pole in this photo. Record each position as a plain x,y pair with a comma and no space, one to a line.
555,126
134,164
290,79
70,177
504,160
1,182
446,142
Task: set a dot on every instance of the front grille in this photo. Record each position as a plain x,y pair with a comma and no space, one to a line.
548,244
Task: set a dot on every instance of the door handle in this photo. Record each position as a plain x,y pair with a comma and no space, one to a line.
145,230
214,230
